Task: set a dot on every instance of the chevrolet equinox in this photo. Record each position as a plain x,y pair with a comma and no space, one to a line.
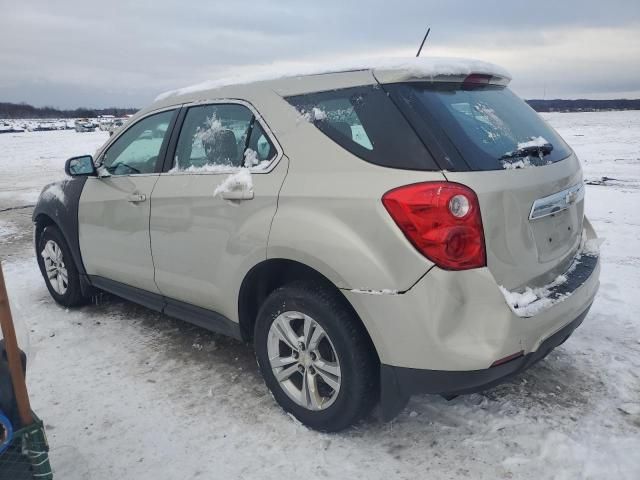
376,232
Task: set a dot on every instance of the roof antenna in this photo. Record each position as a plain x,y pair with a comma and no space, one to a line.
423,40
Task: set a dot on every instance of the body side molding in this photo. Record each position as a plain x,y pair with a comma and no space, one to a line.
201,317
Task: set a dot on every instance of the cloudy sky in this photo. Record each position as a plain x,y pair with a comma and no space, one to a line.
73,53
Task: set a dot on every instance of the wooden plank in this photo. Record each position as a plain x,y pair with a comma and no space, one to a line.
13,356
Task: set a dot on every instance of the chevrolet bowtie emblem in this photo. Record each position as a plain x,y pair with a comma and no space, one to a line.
557,202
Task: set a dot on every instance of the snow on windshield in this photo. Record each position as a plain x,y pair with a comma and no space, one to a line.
485,123
534,142
490,119
525,161
313,115
518,164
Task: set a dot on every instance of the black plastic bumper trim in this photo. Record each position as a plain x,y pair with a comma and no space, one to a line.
399,383
201,317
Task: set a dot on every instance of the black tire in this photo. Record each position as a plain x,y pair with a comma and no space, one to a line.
359,365
72,297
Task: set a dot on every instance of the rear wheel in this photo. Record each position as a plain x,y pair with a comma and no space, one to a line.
315,357
58,269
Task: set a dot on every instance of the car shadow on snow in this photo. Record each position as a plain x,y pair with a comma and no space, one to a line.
178,339
558,385
188,346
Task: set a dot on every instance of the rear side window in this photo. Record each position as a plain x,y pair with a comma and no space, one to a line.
222,136
364,121
488,126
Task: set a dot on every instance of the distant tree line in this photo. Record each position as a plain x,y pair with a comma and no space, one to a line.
23,110
583,105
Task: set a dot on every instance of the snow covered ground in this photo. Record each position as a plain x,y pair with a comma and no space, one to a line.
127,393
30,160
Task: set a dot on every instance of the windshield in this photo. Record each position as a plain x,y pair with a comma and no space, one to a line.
488,126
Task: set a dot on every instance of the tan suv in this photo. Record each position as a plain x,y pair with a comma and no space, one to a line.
375,232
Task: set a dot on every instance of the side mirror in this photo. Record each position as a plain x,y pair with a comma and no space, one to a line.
80,166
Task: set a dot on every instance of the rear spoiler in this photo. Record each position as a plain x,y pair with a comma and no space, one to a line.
450,70
396,76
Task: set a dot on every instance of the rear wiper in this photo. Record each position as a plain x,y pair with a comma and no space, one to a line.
537,150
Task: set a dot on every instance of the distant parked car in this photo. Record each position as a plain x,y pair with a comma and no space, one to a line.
105,122
84,125
6,127
46,126
115,125
375,232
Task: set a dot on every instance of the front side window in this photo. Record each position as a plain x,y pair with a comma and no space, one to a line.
137,149
221,136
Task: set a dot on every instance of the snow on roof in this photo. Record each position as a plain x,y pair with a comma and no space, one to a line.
422,67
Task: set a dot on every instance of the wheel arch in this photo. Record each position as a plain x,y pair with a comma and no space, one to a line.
40,222
270,274
58,206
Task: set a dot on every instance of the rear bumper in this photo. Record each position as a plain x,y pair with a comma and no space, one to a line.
444,335
460,321
399,383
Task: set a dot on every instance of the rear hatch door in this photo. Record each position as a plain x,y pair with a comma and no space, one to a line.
525,249
528,181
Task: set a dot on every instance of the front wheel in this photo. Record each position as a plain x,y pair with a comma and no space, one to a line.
58,269
315,357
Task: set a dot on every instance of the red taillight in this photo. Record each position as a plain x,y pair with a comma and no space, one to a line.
477,79
442,220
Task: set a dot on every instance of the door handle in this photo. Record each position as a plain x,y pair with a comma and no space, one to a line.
136,197
238,195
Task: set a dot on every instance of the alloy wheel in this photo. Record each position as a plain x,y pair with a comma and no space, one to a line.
57,274
304,360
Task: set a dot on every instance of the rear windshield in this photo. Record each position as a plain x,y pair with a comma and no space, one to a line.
487,126
364,121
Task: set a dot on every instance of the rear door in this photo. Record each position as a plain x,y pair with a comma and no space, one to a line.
212,210
528,181
114,210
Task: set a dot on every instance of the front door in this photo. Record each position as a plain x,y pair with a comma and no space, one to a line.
114,210
211,213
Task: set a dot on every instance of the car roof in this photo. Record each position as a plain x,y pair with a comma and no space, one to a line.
305,78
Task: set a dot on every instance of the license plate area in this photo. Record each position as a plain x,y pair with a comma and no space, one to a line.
556,222
557,234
